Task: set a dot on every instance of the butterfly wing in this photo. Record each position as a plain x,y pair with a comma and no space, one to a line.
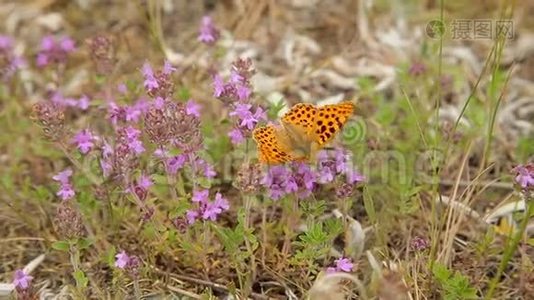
270,148
301,117
305,130
298,124
329,120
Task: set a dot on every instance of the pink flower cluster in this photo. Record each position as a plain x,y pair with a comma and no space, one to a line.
127,113
84,141
209,34
54,51
207,210
524,176
66,191
82,103
236,93
282,180
300,179
198,165
341,265
246,121
129,263
158,84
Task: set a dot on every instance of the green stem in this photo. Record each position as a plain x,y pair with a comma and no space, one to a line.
86,172
248,206
435,229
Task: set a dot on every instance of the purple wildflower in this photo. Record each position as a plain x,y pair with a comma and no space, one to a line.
67,44
83,102
134,112
209,34
191,216
342,161
158,83
213,209
116,113
128,263
340,164
200,196
57,98
63,176
145,182
236,136
66,192
122,260
168,68
221,202
133,142
242,92
150,82
84,141
242,110
21,280
247,119
218,86
276,181
353,176
47,43
341,265
524,175
304,179
419,244
207,169
236,77
208,210
176,163
53,51
192,108
159,103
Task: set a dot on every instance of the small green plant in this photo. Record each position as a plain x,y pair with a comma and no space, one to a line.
453,285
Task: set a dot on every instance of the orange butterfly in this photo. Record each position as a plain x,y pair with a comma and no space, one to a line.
305,130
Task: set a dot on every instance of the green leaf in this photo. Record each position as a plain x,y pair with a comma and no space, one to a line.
81,279
109,256
273,110
42,193
61,245
454,286
84,243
